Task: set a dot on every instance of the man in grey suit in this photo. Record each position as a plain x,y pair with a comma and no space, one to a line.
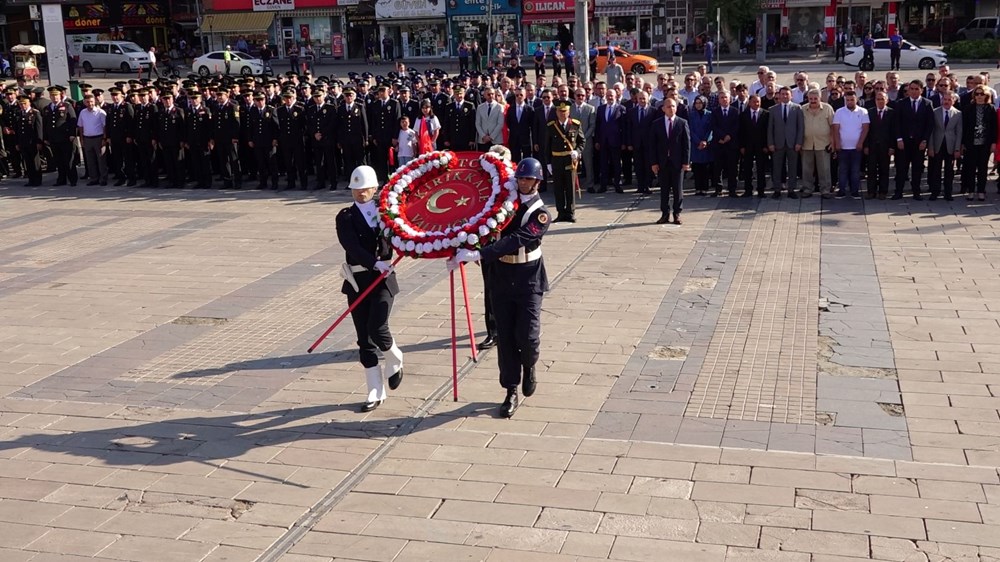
785,135
945,146
584,113
489,121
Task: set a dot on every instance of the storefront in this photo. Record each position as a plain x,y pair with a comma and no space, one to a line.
547,22
361,29
414,28
144,23
627,24
219,29
320,28
476,20
802,19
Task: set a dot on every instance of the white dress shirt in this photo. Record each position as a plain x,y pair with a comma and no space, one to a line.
91,122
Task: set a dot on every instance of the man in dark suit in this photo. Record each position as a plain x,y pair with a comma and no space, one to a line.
520,120
59,117
879,145
915,125
725,141
291,139
544,113
171,130
321,124
670,155
263,141
637,126
609,137
753,146
352,130
459,127
383,127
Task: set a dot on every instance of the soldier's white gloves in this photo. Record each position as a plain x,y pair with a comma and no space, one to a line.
549,166
464,255
383,266
574,154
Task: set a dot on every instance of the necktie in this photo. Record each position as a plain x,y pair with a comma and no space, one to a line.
642,113
489,109
670,123
881,114
608,116
754,117
914,106
785,112
725,112
946,119
519,113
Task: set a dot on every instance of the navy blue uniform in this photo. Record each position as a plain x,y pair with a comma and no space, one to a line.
516,281
263,133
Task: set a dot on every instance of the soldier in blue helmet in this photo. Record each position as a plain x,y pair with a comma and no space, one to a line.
517,281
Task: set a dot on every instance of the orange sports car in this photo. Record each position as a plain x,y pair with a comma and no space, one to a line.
639,64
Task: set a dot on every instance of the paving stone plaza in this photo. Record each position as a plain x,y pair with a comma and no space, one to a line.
776,380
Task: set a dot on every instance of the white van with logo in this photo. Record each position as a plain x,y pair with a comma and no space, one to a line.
113,55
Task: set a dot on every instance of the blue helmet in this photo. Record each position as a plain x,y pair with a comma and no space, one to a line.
529,168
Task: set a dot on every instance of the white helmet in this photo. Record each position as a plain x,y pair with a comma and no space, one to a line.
363,177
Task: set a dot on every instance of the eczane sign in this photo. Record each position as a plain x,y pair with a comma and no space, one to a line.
273,5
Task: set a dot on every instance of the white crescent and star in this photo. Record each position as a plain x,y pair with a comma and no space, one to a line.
432,201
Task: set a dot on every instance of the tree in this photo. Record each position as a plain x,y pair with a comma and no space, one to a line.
736,14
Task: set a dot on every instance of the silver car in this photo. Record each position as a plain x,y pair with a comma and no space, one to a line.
113,55
980,28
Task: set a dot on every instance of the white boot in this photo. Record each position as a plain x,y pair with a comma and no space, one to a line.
376,388
394,366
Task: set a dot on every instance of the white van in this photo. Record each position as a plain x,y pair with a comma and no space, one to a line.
113,55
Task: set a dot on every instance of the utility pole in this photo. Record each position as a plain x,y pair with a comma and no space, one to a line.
582,39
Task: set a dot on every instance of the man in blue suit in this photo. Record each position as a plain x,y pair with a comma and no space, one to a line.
670,154
520,120
725,141
915,124
609,137
637,127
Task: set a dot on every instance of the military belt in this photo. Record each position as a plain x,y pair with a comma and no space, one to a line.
563,153
522,257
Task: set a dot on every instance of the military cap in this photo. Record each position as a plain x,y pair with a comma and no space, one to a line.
194,94
349,90
86,87
366,75
404,89
10,89
291,73
319,94
447,84
287,94
133,82
145,81
23,97
56,88
166,94
121,83
114,90
563,104
259,95
97,92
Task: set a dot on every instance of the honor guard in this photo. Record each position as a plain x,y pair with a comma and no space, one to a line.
352,130
28,132
199,141
321,128
171,131
517,281
118,129
263,140
59,117
564,144
367,254
227,140
145,125
291,139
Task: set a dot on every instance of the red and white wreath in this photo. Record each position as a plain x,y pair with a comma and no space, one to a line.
409,211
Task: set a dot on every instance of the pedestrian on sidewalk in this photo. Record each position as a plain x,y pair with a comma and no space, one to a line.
710,55
677,53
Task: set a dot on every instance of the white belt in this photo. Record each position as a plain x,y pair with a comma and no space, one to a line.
358,268
522,257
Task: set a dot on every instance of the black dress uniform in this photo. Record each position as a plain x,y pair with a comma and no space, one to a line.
321,119
28,132
517,280
199,140
60,125
118,128
440,102
411,109
291,143
227,144
459,127
383,127
352,134
263,134
560,141
144,125
12,162
171,131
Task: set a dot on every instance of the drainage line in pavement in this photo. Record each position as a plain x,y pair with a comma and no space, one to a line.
309,520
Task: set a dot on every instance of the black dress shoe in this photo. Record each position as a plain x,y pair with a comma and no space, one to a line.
776,195
591,190
677,221
619,190
528,382
395,380
897,196
130,183
510,404
602,190
917,197
748,193
663,219
490,341
793,195
369,406
92,183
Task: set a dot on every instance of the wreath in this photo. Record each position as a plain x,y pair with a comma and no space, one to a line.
442,201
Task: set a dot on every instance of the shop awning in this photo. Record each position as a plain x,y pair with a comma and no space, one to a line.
616,11
243,22
548,18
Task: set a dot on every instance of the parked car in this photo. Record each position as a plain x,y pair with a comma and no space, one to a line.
215,63
639,64
911,56
113,55
980,28
942,30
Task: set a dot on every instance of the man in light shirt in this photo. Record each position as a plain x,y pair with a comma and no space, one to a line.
90,124
850,128
816,146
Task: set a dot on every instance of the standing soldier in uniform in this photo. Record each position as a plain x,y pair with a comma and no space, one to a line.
517,281
199,143
263,140
564,144
352,130
383,127
28,132
11,112
227,140
367,256
118,130
408,106
459,127
170,134
145,123
321,124
60,132
291,139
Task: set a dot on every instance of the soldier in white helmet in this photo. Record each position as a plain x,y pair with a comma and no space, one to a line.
368,253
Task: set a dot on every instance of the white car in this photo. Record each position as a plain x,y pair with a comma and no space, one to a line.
215,63
911,56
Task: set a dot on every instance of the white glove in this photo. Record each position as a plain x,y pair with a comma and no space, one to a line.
464,255
549,166
383,266
574,154
452,264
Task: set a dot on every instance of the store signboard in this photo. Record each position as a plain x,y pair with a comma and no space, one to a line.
273,5
409,9
338,45
481,7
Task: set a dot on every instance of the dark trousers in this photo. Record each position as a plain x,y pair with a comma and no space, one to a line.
380,157
228,154
13,159
671,184
491,320
293,155
539,69
200,166
64,157
463,64
838,53
942,161
266,169
563,175
32,168
483,147
354,156
171,165
761,160
727,162
117,159
146,161
642,171
977,158
893,59
519,328
519,151
878,170
909,163
371,323
702,174
627,166
324,160
611,166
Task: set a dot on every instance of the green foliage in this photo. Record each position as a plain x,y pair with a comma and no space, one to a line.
735,13
977,49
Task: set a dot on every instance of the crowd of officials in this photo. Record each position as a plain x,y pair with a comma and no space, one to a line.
803,138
